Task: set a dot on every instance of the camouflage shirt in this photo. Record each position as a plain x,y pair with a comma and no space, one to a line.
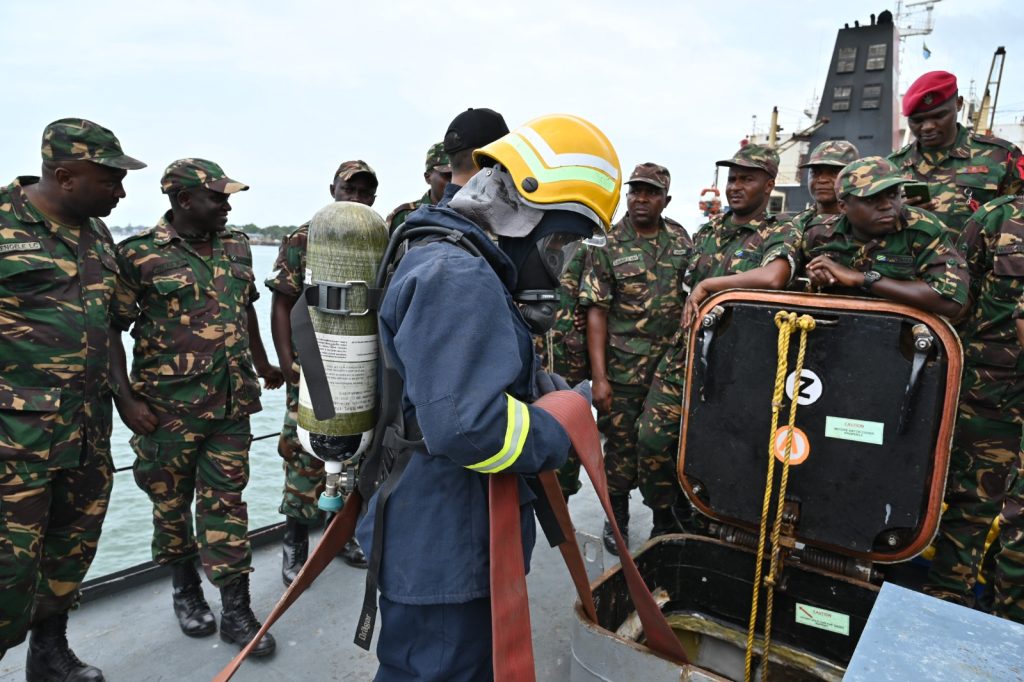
993,241
564,338
919,249
56,286
190,317
290,266
808,218
398,216
722,247
976,169
289,280
638,280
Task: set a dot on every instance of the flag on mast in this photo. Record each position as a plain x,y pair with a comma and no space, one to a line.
927,53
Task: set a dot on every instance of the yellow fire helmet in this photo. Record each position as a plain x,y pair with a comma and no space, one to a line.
560,159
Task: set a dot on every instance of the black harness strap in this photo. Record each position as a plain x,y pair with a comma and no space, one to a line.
312,363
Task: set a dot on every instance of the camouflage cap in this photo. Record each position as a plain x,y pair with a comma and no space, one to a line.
754,156
651,174
437,159
838,153
868,176
349,169
76,139
189,173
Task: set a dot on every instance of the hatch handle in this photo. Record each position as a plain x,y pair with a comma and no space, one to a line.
708,324
923,342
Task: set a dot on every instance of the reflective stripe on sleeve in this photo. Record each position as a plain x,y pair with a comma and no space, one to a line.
518,418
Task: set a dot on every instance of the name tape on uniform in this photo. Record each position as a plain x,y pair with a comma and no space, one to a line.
11,247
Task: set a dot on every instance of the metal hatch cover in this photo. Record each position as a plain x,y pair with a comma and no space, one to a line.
876,408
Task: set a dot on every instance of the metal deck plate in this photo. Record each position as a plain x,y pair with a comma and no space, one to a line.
910,636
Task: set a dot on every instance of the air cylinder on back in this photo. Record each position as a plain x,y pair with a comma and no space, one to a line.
345,244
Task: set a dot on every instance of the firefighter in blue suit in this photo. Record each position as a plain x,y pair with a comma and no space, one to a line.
459,329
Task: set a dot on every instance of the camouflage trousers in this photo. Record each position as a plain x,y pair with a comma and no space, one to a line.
208,460
658,425
625,465
985,482
303,473
50,522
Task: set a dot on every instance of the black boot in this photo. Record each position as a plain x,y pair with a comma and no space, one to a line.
194,616
665,522
620,510
294,549
50,657
352,554
238,624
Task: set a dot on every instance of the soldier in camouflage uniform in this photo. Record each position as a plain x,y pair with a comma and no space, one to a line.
634,298
186,289
985,470
823,165
563,349
744,248
57,275
438,174
881,247
304,472
963,169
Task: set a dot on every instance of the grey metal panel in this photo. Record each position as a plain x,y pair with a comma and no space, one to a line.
911,636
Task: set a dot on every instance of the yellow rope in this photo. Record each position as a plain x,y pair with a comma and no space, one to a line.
787,324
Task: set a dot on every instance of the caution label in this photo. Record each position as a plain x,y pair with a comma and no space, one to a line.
823,619
799,450
854,429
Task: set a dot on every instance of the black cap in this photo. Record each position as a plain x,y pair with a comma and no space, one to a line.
473,129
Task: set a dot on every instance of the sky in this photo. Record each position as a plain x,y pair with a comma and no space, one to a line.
280,93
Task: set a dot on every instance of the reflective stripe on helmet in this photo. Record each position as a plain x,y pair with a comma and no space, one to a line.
553,160
560,173
515,437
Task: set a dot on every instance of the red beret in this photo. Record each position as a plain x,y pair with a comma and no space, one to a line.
929,91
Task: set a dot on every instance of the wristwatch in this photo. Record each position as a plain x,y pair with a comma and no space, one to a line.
870,277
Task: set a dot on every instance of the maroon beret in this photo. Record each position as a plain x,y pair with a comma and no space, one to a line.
929,91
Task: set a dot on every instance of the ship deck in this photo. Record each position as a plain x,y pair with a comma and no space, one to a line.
126,626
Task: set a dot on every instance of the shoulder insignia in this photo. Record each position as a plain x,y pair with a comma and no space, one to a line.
991,206
995,141
919,219
901,151
239,233
408,206
148,232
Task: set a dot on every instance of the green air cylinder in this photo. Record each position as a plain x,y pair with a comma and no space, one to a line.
346,243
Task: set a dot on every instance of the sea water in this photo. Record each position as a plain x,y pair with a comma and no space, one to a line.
128,528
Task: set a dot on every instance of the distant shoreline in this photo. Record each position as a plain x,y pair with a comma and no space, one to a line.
266,236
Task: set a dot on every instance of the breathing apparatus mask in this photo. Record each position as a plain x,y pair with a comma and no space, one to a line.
540,259
532,235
